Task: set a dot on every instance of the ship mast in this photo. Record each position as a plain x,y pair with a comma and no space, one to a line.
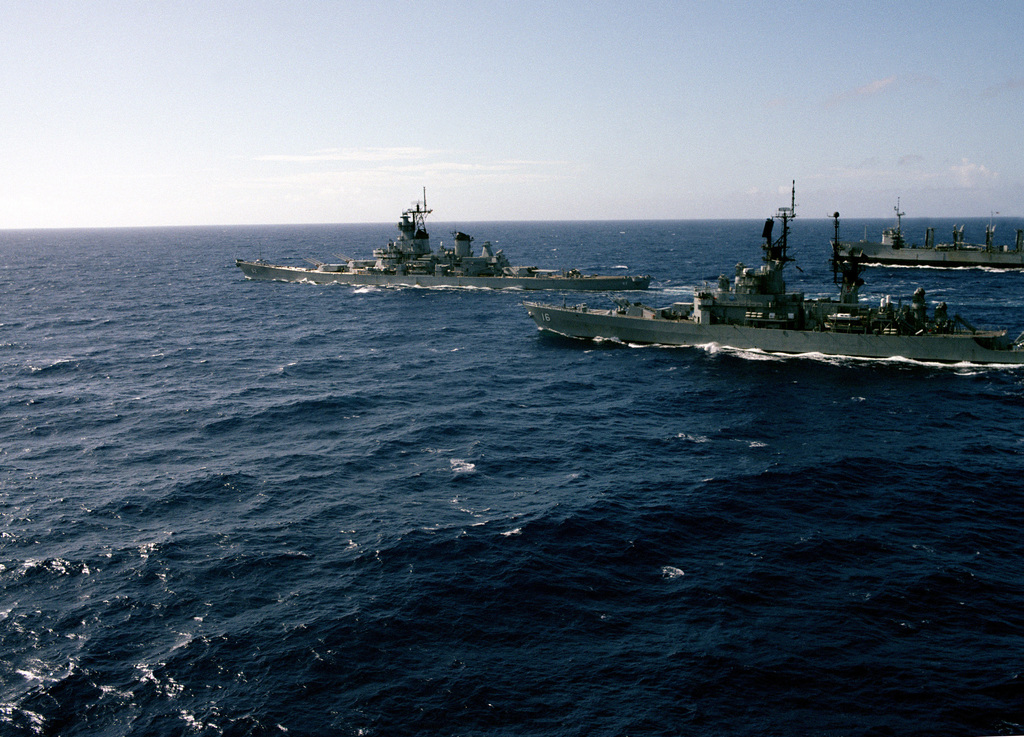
897,237
849,267
778,250
419,213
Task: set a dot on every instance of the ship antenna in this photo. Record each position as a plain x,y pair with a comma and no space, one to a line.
419,212
835,250
850,267
898,239
777,251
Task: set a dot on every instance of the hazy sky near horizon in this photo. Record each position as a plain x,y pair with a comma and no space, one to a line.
249,111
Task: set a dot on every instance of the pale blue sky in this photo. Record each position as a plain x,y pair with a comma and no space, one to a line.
221,112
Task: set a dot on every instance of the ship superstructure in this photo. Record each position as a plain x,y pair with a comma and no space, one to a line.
894,250
409,260
754,311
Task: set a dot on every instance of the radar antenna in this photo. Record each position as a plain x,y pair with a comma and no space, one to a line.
778,250
418,213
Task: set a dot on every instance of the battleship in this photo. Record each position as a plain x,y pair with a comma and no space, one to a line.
409,261
893,249
755,312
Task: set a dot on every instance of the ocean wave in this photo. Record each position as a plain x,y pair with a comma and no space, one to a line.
239,510
59,365
460,466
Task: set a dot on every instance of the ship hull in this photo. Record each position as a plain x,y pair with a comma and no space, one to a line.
270,272
955,348
883,255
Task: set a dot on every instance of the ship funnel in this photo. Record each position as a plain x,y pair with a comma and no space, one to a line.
462,244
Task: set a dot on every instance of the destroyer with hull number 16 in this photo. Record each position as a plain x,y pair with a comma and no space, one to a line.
409,261
756,312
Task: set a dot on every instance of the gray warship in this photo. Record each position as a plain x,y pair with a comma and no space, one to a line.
409,261
755,312
893,249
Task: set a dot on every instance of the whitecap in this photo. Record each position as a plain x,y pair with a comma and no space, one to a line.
693,438
61,566
671,572
462,466
58,362
35,719
31,563
116,693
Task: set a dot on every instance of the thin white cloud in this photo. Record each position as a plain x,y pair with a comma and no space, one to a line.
970,175
910,160
398,161
914,171
387,172
874,87
1013,85
354,154
868,90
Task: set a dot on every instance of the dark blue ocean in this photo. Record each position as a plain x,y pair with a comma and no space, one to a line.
258,508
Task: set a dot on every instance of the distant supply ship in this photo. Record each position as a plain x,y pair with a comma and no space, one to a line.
893,250
409,261
756,312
